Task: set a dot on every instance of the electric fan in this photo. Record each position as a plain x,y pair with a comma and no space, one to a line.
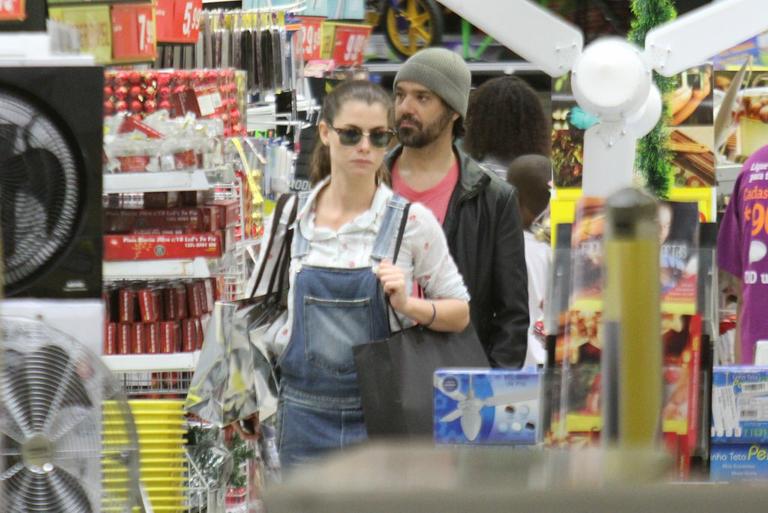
50,181
611,78
67,438
39,189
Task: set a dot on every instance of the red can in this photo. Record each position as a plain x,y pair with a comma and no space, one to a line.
169,337
200,291
193,301
110,338
147,305
127,305
171,303
188,335
153,337
183,304
124,338
139,338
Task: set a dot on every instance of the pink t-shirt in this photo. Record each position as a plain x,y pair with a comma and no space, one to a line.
435,199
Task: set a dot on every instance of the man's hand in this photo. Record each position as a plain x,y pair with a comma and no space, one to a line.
248,428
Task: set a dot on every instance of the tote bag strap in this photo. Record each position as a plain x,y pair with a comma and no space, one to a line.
276,216
398,243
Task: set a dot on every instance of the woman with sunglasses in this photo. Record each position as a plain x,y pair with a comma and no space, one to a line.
343,245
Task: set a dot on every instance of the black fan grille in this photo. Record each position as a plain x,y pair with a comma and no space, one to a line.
39,189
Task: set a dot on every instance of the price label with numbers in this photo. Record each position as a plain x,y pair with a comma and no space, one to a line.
311,29
13,10
351,41
133,32
186,20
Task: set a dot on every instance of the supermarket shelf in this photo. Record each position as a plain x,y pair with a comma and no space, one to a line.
156,269
198,180
501,67
152,362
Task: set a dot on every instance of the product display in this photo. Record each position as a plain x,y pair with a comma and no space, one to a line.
487,406
145,187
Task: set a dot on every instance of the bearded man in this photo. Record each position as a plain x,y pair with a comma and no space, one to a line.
478,211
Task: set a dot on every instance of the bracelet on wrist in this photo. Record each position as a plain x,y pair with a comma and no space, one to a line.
434,316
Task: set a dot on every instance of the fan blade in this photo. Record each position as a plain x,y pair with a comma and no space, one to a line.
531,31
9,473
609,158
724,115
697,36
15,491
471,422
71,492
504,399
455,414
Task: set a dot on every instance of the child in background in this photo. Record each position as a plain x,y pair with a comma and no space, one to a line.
531,176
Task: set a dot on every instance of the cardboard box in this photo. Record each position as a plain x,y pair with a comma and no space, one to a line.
740,405
486,406
738,462
153,247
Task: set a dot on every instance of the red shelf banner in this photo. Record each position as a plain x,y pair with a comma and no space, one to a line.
351,41
178,21
312,28
13,10
133,32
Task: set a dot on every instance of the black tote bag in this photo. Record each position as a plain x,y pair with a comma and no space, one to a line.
396,375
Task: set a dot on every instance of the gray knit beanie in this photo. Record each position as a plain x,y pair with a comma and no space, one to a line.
442,71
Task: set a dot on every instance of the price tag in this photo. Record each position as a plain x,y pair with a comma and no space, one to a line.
133,32
186,21
311,29
351,41
13,10
166,30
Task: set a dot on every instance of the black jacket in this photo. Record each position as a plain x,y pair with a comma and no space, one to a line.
485,237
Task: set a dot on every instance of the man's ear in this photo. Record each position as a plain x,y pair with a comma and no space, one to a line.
322,130
456,116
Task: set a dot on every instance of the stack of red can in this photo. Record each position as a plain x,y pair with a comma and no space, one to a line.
157,317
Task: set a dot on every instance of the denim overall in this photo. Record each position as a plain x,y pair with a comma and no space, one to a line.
333,310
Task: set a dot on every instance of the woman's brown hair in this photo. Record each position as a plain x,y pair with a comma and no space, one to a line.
355,90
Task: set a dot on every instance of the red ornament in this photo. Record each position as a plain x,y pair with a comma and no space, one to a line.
164,105
165,92
150,106
234,115
121,77
134,77
121,106
150,92
108,91
163,79
121,93
135,91
136,106
109,108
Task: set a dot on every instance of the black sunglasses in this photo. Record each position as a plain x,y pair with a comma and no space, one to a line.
352,136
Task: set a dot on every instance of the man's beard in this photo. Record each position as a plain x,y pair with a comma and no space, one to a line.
421,136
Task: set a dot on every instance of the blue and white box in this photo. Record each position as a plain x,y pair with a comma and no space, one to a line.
740,405
738,462
487,406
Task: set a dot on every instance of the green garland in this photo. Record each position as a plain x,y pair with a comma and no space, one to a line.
654,158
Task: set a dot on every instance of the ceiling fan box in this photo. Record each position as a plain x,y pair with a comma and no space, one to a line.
513,423
71,97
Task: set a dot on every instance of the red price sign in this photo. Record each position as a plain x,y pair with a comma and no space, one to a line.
133,32
351,41
13,10
164,20
311,28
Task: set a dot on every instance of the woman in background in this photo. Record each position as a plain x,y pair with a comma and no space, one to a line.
505,120
341,270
